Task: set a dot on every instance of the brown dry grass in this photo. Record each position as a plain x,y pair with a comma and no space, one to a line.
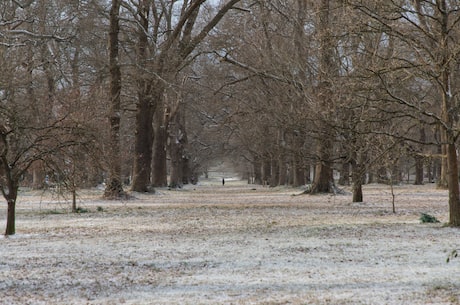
232,245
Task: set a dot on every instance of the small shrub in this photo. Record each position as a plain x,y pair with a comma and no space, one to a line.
426,218
81,210
100,209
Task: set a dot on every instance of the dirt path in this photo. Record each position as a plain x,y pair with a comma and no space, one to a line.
232,245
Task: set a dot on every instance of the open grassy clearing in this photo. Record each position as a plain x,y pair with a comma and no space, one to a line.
236,244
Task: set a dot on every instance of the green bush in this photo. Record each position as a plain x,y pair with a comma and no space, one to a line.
426,218
81,210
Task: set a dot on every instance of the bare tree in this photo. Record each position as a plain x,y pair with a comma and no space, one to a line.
37,123
425,49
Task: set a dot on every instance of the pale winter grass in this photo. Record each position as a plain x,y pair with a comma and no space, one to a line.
238,244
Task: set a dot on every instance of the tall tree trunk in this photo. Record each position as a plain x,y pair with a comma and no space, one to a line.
396,173
266,172
430,170
11,214
382,175
443,172
281,160
114,187
450,118
159,166
144,112
9,184
358,177
283,173
324,181
257,168
454,192
345,174
419,159
419,170
275,172
176,148
298,172
187,173
143,146
357,191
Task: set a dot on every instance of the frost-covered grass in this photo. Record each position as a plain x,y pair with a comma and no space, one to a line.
236,244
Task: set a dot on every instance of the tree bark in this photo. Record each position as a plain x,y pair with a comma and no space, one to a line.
420,160
176,148
114,187
357,191
449,117
358,177
143,146
11,218
11,198
283,174
345,174
275,172
323,181
159,166
419,170
266,172
144,111
298,172
454,192
257,168
9,183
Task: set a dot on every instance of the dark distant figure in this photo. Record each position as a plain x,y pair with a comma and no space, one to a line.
223,181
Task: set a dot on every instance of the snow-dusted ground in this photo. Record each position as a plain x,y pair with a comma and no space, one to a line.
237,244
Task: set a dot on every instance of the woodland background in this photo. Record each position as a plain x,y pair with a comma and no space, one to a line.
139,94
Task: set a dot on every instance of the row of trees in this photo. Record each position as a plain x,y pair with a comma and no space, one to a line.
138,91
357,86
88,87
